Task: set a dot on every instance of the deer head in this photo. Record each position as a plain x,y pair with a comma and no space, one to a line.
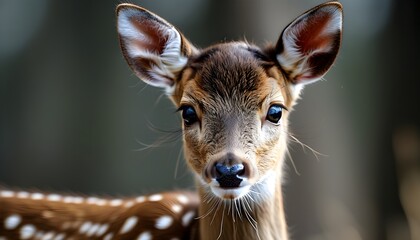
234,97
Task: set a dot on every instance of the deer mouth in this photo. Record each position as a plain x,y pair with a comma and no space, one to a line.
229,192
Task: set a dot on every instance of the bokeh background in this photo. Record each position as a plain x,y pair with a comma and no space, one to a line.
74,118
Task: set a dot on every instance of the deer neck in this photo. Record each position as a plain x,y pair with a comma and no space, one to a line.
257,216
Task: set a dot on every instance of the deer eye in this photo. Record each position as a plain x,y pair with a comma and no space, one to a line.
189,115
274,113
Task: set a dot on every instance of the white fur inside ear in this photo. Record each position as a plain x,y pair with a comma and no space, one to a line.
166,63
335,22
293,59
126,28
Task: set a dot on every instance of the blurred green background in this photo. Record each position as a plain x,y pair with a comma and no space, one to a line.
74,118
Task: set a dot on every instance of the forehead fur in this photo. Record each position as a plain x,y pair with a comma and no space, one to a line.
230,72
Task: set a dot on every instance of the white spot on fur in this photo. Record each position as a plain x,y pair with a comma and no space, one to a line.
176,208
27,231
182,199
48,236
102,230
37,196
187,218
91,200
54,197
75,200
155,197
85,227
108,236
129,204
92,230
60,236
145,236
12,221
22,195
140,199
7,194
78,200
96,201
115,202
129,224
101,202
164,222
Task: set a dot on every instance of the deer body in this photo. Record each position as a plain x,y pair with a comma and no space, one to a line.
235,100
36,215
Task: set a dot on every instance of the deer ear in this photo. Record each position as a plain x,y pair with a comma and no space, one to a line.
152,47
308,46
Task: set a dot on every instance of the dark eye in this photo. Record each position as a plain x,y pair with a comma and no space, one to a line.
189,115
274,113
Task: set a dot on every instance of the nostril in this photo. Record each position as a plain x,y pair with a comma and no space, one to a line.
221,170
241,172
237,169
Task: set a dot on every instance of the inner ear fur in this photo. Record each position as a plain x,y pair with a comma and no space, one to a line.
154,49
309,45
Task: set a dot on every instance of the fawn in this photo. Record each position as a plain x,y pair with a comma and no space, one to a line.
235,99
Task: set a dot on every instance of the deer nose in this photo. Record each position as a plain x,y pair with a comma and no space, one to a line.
229,171
229,176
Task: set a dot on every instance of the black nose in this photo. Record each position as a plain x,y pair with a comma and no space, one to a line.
228,176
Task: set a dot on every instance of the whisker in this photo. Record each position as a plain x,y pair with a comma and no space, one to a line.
305,146
178,159
255,192
215,212
250,197
238,210
158,99
231,202
221,222
141,89
171,136
251,220
293,162
211,209
137,84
